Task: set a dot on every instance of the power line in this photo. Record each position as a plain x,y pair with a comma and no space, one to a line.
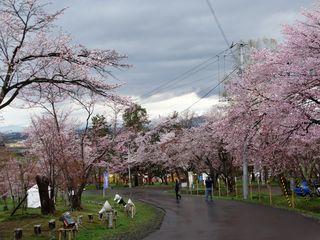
208,93
216,74
193,81
211,90
218,22
183,78
200,79
185,74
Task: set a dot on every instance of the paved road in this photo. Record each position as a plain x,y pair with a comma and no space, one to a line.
193,218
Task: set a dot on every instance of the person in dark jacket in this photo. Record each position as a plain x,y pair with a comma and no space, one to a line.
177,189
209,185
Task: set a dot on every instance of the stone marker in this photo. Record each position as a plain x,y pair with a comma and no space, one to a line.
17,234
90,216
52,224
37,229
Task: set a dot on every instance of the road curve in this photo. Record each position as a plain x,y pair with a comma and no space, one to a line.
194,218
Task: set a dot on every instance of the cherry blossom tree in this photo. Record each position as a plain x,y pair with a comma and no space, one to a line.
273,114
68,151
40,65
34,55
17,173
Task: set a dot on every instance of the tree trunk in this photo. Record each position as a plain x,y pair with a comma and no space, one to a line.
178,175
165,180
214,176
187,177
75,200
149,179
136,180
95,179
47,204
231,183
100,180
162,181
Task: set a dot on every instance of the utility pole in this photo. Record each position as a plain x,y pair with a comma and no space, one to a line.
245,179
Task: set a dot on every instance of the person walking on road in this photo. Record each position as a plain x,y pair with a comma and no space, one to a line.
209,185
177,189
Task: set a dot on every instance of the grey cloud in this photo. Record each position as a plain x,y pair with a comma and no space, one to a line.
164,38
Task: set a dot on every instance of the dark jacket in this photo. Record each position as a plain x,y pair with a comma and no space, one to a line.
177,187
208,183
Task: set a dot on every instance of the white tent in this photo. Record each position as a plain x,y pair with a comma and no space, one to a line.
33,199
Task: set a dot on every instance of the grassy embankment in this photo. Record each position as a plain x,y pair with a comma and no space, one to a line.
146,220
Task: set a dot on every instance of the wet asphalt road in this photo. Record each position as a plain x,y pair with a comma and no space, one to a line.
194,218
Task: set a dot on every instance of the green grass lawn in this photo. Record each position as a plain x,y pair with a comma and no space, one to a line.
147,219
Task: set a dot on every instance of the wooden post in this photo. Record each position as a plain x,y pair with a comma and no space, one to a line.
219,187
250,182
90,217
67,233
270,193
292,199
227,186
259,192
17,234
285,190
197,187
236,186
52,224
211,195
37,229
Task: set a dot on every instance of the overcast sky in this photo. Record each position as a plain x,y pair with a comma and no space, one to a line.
166,38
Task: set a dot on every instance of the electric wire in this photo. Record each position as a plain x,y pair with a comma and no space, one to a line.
219,26
185,74
193,81
204,78
211,90
180,79
218,22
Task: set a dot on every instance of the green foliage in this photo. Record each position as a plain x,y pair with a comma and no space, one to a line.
100,127
135,117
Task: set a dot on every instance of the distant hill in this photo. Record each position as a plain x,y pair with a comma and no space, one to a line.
10,137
